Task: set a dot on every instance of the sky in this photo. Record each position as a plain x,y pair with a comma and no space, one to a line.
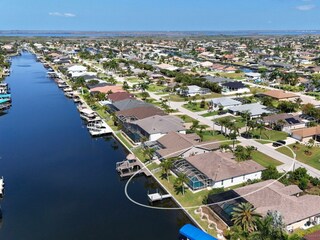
159,15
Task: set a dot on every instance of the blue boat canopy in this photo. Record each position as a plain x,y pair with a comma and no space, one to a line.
4,100
5,95
193,233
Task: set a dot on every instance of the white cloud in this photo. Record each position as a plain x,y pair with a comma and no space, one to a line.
59,14
305,7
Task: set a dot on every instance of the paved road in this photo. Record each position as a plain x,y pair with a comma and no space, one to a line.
289,163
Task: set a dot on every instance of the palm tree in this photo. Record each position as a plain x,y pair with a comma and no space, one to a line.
246,117
166,165
148,153
244,215
180,181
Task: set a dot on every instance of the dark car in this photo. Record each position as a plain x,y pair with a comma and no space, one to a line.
279,143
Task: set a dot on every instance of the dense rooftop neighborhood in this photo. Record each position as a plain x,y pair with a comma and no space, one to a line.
216,121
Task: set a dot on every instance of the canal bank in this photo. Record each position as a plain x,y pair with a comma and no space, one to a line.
61,183
125,143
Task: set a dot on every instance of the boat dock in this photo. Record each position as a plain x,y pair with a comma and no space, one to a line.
153,197
131,166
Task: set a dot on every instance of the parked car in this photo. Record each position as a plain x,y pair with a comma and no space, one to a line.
279,143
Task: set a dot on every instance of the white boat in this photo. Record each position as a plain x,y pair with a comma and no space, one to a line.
68,89
69,94
88,115
98,132
62,85
1,187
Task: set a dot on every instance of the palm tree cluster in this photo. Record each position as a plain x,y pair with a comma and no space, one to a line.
249,225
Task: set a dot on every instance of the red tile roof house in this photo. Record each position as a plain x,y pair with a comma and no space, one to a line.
280,95
305,134
107,89
312,236
119,96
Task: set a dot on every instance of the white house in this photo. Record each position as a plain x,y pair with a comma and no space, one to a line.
76,70
193,90
217,169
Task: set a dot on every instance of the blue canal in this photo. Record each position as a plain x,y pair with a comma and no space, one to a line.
60,182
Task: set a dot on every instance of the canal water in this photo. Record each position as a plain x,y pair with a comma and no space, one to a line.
60,182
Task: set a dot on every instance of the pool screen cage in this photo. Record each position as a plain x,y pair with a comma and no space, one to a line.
197,180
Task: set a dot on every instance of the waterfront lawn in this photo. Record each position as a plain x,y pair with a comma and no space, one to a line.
124,140
312,160
195,106
264,160
138,152
204,224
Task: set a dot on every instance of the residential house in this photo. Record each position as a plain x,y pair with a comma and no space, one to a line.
193,90
154,127
107,89
217,170
119,96
127,104
285,121
134,114
231,88
305,134
224,102
175,144
76,70
255,109
297,210
280,95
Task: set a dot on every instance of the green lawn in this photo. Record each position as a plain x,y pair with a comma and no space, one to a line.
156,88
195,106
186,118
313,160
124,140
178,98
238,121
232,75
208,136
271,135
209,114
264,160
133,79
189,199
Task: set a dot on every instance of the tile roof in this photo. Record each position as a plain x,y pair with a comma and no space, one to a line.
273,195
220,166
279,94
161,124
